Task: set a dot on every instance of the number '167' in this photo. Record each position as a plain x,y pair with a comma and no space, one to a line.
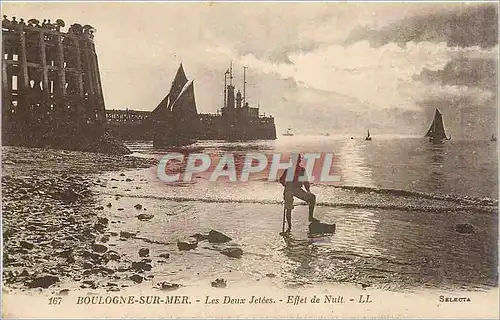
55,300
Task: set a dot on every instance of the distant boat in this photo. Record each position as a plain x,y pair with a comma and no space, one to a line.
327,134
493,138
368,138
288,132
436,132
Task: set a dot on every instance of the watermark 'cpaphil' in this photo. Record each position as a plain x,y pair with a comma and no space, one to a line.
177,167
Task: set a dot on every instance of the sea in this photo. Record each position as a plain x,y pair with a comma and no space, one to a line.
397,208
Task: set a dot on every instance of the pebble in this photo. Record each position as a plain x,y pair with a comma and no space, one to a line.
136,278
126,235
99,248
143,252
141,266
63,292
219,283
188,244
232,252
464,228
215,236
112,255
27,245
145,216
43,282
102,220
167,286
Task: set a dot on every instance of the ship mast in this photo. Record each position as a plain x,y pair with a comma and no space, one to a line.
244,85
231,73
225,88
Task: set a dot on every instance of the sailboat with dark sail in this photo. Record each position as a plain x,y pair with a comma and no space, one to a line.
368,137
176,118
436,132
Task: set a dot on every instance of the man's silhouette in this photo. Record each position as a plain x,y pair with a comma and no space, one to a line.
294,189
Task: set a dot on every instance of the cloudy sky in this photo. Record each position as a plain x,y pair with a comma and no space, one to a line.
316,67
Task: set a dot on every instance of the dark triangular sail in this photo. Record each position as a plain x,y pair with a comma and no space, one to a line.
162,109
176,116
178,84
185,115
436,132
184,106
165,106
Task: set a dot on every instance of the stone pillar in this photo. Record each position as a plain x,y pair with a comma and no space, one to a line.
101,112
7,123
61,72
23,62
23,112
78,58
43,57
81,116
6,94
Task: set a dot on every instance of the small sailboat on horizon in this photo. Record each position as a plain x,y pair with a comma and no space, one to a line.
288,132
436,132
368,137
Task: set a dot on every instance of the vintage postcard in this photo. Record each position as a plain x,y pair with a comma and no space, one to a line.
249,160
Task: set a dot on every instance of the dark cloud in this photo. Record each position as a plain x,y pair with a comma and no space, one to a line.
465,26
481,73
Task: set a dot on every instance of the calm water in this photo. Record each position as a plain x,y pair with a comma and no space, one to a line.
395,209
462,168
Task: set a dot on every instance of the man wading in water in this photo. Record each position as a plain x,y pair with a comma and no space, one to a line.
294,188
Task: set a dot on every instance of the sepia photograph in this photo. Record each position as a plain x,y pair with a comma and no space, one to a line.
249,160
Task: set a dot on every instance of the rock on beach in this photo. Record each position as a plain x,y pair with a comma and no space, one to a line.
215,236
43,282
187,244
232,252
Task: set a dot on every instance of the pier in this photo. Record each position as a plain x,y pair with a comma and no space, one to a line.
51,87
